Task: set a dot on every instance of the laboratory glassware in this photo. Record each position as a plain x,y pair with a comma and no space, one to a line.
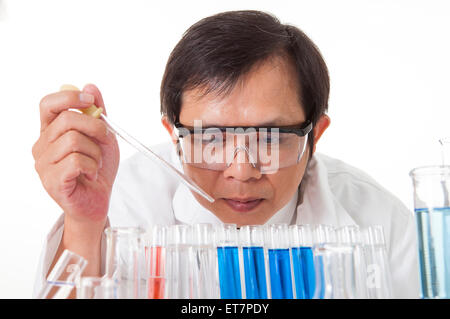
379,282
306,249
297,263
253,255
156,158
351,235
179,281
335,272
125,261
155,255
204,262
227,243
432,211
277,243
97,288
324,234
64,276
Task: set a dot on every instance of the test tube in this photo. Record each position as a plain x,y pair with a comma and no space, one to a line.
64,276
155,251
277,242
307,259
252,241
297,265
321,234
351,235
97,288
228,261
204,267
179,281
324,234
335,273
379,283
125,262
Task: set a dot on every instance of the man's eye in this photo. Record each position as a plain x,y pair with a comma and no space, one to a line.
207,138
270,139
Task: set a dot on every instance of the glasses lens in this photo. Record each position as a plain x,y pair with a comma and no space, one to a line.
268,150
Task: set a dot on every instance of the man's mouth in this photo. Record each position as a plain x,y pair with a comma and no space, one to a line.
243,205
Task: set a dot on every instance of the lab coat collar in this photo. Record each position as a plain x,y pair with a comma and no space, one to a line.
318,204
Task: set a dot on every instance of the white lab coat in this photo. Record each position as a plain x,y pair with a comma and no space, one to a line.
334,193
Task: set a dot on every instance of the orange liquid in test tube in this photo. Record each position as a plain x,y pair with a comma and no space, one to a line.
156,280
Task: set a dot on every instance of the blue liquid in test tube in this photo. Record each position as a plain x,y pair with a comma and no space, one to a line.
229,276
280,273
255,273
309,275
301,240
297,266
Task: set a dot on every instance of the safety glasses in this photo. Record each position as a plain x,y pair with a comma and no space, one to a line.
267,148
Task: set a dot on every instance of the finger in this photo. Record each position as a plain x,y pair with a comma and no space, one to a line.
72,142
71,121
93,90
53,104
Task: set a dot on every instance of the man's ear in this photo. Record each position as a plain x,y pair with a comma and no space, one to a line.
320,127
170,129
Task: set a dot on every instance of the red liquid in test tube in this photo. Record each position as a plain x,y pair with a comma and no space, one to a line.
155,281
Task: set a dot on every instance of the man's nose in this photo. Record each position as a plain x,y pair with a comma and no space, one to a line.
243,166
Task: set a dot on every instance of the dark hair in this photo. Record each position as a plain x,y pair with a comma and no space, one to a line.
218,50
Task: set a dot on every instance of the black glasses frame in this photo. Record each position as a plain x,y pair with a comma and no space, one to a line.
298,129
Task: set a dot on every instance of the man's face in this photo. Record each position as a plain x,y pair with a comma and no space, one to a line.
268,94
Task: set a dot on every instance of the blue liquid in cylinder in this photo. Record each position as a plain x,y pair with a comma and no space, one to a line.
255,273
280,274
297,265
309,273
434,251
229,276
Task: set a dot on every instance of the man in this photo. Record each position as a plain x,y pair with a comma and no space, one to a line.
231,71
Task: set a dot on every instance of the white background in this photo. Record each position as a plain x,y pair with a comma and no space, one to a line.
388,61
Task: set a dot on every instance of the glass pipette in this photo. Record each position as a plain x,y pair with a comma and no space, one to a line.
98,113
155,157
